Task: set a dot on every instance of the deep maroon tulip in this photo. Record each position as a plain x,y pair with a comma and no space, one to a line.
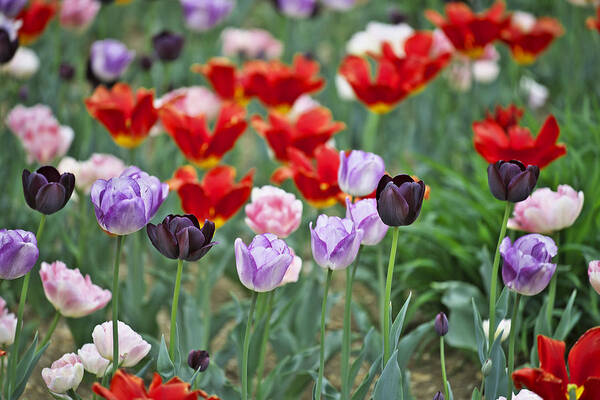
167,45
146,62
66,71
46,190
511,180
180,237
441,324
399,199
198,360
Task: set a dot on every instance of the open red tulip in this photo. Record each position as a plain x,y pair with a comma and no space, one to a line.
35,17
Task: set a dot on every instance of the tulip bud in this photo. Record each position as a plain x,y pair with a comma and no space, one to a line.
511,180
441,324
439,396
594,275
180,236
66,71
167,45
146,62
64,374
18,253
486,369
46,190
198,360
399,199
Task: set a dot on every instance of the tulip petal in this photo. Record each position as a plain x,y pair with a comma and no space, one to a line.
246,267
50,198
551,353
542,383
346,250
125,217
270,275
583,357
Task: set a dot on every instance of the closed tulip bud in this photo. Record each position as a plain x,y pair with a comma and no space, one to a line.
399,199
439,396
18,253
47,190
198,360
65,374
167,45
486,368
180,237
594,275
441,324
511,180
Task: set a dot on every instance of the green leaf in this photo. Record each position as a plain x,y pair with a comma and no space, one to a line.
399,323
361,356
497,381
567,320
479,334
408,344
476,395
25,367
164,365
363,389
389,386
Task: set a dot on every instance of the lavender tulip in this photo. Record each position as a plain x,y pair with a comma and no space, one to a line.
297,8
527,267
167,45
9,41
18,253
365,217
46,190
262,265
180,236
202,15
399,199
109,59
335,241
339,5
126,204
359,172
11,8
511,180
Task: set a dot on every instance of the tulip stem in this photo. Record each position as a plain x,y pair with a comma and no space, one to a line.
263,346
511,343
246,347
347,333
51,330
115,305
173,331
370,131
551,297
494,283
388,295
443,363
322,343
15,347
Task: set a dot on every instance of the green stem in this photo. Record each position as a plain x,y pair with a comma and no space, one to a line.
206,291
347,333
322,347
388,294
173,331
511,343
443,362
51,330
494,284
263,346
115,305
552,291
246,347
82,228
370,131
381,286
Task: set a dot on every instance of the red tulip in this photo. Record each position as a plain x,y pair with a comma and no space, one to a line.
127,118
217,197
527,36
35,18
126,387
316,182
469,32
594,23
309,130
397,76
192,135
551,381
224,78
500,137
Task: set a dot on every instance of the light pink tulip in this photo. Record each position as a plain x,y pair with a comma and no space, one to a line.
594,274
43,138
8,324
193,101
293,272
546,211
92,361
250,43
65,373
69,292
78,14
99,166
132,348
273,210
523,395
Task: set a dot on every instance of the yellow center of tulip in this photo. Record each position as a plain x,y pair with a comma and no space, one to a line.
127,141
381,108
523,57
577,389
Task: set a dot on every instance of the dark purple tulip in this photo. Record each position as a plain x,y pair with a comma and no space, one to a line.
9,40
46,190
441,324
11,8
66,71
199,360
399,199
18,253
511,180
146,62
167,45
180,236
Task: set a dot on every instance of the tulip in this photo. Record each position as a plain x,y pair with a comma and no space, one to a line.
293,272
273,210
98,166
69,292
297,8
23,65
202,15
132,348
35,18
46,190
167,45
262,265
8,325
594,275
511,181
441,324
334,241
365,217
66,71
108,61
192,101
65,374
180,237
250,43
339,5
546,211
535,93
370,40
399,199
198,360
92,361
527,268
359,172
439,396
126,204
11,8
503,329
78,14
523,395
18,253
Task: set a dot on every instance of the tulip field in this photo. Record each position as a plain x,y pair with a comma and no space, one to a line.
300,199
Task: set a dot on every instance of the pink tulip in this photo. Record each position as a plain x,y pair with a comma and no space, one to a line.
132,348
65,373
192,101
78,14
92,361
69,292
273,210
293,272
43,138
250,43
99,166
8,325
594,275
546,211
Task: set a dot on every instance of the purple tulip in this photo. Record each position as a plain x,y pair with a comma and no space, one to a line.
359,172
202,15
127,203
334,241
441,324
167,45
109,59
46,190
18,253
11,8
262,265
9,40
339,5
511,181
527,268
365,217
399,199
297,8
180,236
198,360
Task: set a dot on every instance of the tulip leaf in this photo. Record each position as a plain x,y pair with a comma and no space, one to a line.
398,323
502,306
363,389
567,320
328,391
476,395
497,381
389,384
541,328
164,365
361,356
479,334
408,344
25,367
